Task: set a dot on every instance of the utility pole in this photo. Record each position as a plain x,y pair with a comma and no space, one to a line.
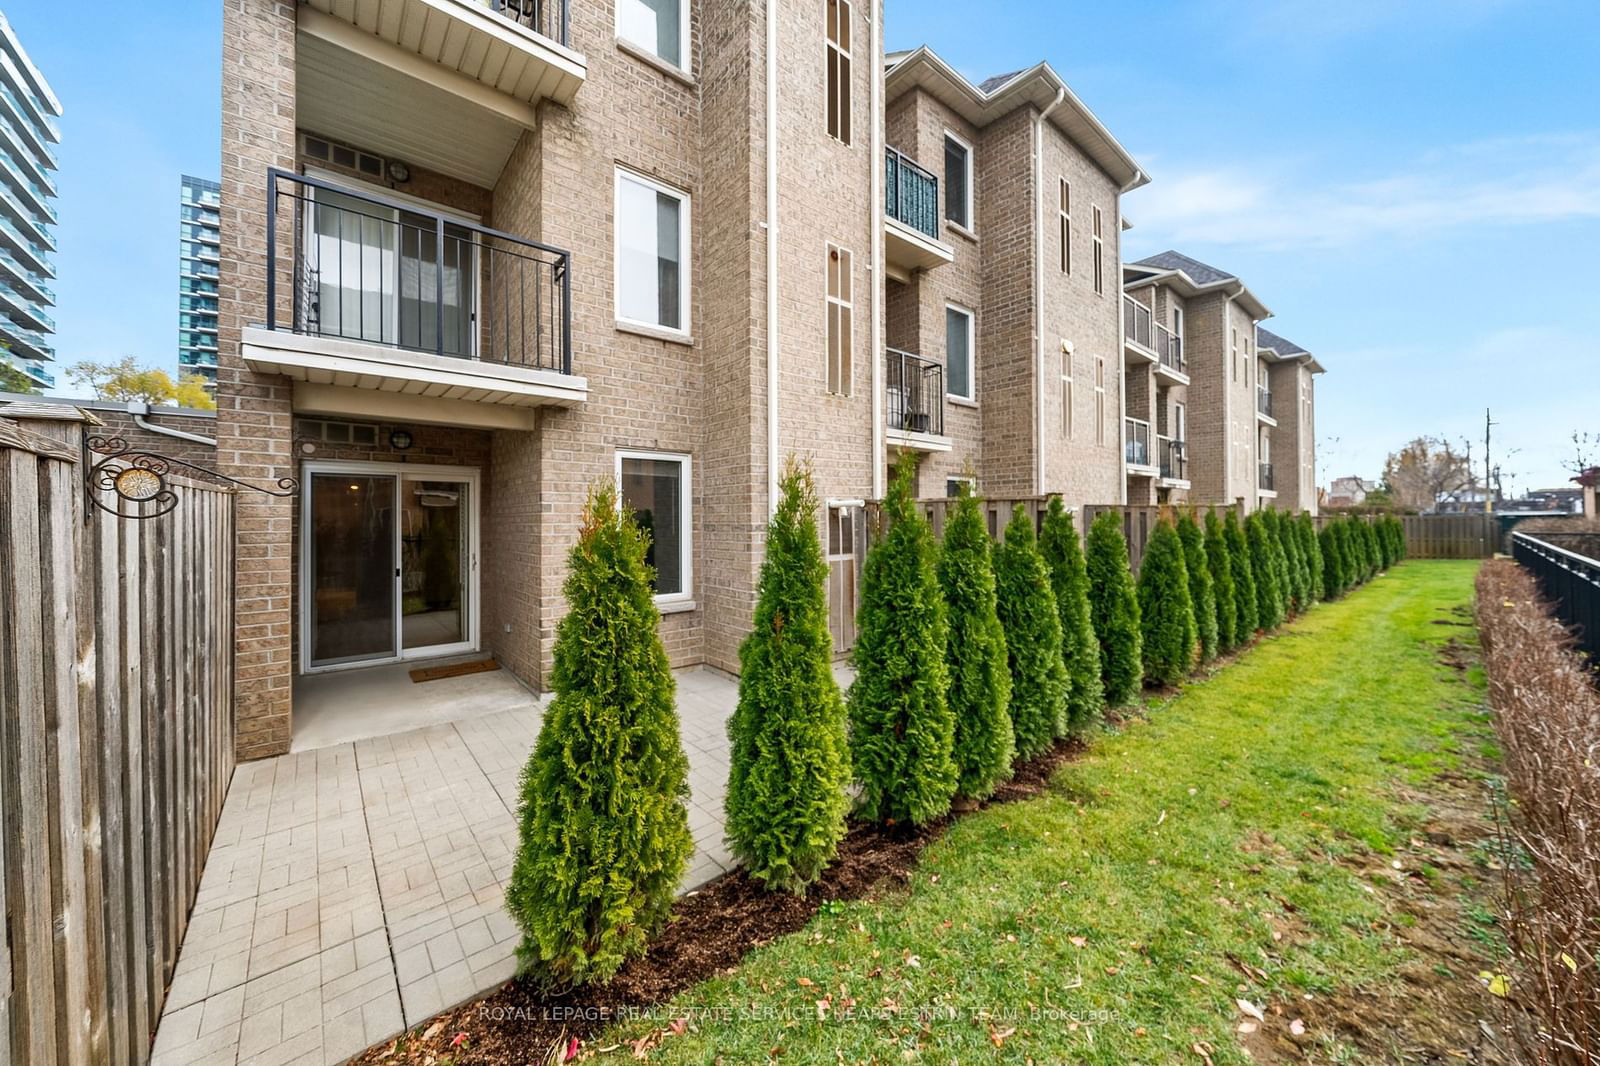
1488,468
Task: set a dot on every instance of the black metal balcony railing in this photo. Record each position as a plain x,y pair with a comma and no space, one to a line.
914,393
1264,400
364,268
911,194
1138,323
1169,349
1174,459
546,17
1266,476
1136,442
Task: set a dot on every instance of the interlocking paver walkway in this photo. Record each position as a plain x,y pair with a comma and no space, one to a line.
355,890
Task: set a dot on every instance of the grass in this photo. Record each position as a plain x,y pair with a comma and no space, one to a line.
1117,919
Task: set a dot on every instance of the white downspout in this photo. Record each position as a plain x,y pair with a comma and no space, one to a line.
1038,291
772,257
879,459
139,409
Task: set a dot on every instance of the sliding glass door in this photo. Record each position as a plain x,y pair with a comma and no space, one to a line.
389,558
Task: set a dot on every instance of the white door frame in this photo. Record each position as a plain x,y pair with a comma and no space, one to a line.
471,476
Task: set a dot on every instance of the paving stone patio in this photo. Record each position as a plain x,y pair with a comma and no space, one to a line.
354,890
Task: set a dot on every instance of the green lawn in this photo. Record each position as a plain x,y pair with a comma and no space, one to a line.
1097,924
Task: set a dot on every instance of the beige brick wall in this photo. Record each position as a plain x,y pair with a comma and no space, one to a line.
1294,440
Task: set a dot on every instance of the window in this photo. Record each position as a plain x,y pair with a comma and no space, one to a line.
839,12
652,249
1099,399
955,486
1180,423
1177,323
958,352
655,486
957,180
841,321
1099,255
1233,356
1066,394
660,27
1065,213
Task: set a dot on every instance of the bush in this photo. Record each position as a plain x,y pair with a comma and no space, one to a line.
1245,601
975,653
1202,591
1069,581
786,802
1289,538
1114,608
1033,639
1310,554
1397,530
1222,588
603,832
1166,612
901,730
1272,523
1332,561
1269,602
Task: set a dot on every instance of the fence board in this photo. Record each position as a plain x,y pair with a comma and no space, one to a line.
115,748
1443,536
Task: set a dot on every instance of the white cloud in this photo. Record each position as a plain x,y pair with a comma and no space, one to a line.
1512,181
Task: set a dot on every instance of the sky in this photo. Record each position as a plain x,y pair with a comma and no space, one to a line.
1412,186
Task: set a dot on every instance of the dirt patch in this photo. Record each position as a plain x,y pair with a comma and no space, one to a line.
711,930
1440,895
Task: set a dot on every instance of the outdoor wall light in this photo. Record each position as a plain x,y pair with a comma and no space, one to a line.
400,440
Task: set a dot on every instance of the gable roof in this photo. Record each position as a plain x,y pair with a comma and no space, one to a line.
1200,273
1285,351
1038,86
1191,277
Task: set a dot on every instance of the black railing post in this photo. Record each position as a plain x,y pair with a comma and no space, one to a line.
272,249
438,284
565,263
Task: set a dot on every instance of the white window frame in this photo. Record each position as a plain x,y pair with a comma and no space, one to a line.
1099,252
685,506
846,303
1064,211
685,42
1068,359
970,482
685,243
846,66
1177,323
972,352
970,224
1233,349
1100,399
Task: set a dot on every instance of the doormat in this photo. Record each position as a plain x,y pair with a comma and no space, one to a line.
435,673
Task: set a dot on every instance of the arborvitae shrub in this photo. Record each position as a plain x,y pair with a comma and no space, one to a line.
1310,554
1369,530
1202,591
980,675
1328,549
603,831
1289,537
901,729
786,801
1280,563
1114,608
1269,605
1369,561
1217,561
1397,530
1245,600
1380,529
1033,638
1069,580
1166,611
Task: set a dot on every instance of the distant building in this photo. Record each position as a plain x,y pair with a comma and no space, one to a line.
1349,491
199,252
1565,500
28,136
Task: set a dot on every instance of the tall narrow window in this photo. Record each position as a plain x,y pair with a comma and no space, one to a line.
841,321
957,180
1099,255
958,343
1180,423
1066,395
1099,399
839,12
655,486
652,253
1065,219
657,26
1233,354
1177,323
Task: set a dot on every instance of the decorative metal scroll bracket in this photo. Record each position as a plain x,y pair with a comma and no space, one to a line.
137,479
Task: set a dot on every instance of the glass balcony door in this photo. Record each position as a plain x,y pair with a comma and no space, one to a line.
389,558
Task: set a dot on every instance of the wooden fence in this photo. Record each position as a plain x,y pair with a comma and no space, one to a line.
1444,536
116,746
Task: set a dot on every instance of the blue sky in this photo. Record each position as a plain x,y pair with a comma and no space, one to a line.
1413,186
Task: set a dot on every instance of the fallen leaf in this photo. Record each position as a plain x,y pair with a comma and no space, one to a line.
1498,984
998,1036
679,1026
1197,977
1248,1027
433,1030
1246,1007
1569,962
1079,942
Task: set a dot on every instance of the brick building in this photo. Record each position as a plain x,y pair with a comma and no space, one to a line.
1227,405
479,254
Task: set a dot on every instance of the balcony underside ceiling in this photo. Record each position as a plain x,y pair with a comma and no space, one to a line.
908,250
353,98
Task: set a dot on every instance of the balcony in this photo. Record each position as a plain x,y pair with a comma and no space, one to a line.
914,402
28,344
22,279
911,218
1136,447
1170,365
394,312
1138,332
23,311
1174,455
1265,482
1264,404
21,246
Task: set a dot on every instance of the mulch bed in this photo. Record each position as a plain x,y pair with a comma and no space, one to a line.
711,930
